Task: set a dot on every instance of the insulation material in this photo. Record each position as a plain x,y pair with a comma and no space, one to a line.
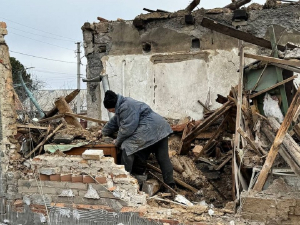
271,107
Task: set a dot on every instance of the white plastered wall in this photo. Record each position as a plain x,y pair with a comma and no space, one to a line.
173,89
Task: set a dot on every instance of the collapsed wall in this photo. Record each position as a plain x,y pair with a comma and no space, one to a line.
162,60
58,188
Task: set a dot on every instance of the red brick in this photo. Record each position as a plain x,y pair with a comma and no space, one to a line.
101,180
87,179
77,178
66,178
44,177
55,177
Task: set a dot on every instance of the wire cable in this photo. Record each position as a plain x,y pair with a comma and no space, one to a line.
39,34
42,41
37,29
56,60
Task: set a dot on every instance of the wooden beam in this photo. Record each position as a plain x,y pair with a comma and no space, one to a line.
31,126
272,87
51,118
204,106
63,107
44,141
250,142
290,68
237,4
241,35
284,101
178,181
149,10
274,60
85,118
215,136
277,142
229,157
68,99
283,151
208,121
192,5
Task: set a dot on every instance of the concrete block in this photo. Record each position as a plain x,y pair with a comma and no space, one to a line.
28,190
53,184
77,186
28,183
92,154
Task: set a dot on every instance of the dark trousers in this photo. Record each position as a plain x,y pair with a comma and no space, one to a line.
160,149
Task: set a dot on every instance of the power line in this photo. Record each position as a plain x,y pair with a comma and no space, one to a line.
42,41
41,57
39,34
47,71
37,29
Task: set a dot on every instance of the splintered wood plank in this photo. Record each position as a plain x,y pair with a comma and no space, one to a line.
277,142
85,117
272,87
31,126
274,60
208,121
69,98
63,107
241,35
250,142
44,141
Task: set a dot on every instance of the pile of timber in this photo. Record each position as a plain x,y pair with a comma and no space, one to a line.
59,120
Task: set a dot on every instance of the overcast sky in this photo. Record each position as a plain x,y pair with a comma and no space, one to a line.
50,29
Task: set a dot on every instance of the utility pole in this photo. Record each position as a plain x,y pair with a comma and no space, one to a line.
78,76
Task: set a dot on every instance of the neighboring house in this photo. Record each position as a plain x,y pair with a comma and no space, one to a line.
171,63
46,99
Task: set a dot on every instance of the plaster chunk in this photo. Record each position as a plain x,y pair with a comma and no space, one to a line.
49,171
91,193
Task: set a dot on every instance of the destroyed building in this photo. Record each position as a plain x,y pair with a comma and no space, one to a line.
196,64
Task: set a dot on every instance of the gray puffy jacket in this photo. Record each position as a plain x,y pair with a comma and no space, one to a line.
138,126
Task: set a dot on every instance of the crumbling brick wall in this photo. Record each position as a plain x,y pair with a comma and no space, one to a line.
66,179
8,129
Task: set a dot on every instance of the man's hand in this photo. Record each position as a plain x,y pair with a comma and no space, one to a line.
114,141
99,134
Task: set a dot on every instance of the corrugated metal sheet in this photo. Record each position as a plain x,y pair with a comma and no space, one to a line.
63,216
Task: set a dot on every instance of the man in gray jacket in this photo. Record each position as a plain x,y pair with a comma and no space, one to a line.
141,132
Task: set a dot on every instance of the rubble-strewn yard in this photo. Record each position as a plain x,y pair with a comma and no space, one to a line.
238,164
